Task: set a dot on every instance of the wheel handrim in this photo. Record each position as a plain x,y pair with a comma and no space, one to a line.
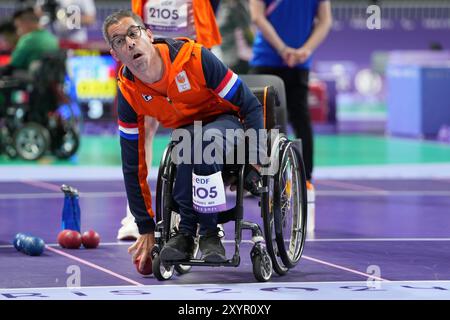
290,211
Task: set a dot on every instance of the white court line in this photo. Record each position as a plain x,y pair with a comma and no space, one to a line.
92,265
149,286
324,193
354,172
362,193
374,239
129,243
343,268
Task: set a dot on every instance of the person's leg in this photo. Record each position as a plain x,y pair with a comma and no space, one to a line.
182,192
297,101
210,244
296,85
129,229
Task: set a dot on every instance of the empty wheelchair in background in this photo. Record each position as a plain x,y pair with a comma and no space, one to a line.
36,113
282,202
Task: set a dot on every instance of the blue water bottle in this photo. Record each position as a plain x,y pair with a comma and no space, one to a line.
71,216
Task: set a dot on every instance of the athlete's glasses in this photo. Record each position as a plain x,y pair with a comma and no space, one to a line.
133,32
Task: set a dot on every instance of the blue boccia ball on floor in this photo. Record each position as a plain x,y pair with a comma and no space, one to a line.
32,246
18,241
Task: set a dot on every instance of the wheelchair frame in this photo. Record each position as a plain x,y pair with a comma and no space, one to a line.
265,257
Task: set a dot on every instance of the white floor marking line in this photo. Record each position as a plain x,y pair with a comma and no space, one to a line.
92,265
181,285
374,239
348,185
129,243
324,193
362,193
343,268
338,290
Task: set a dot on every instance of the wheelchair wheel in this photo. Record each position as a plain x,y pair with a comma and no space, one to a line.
262,263
160,271
290,205
267,203
164,187
68,144
31,141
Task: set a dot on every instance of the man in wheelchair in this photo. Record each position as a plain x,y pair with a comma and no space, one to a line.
33,42
37,71
177,82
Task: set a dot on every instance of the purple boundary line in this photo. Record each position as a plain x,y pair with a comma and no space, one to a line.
348,185
41,184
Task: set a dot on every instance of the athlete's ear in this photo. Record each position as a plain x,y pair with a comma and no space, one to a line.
114,55
150,34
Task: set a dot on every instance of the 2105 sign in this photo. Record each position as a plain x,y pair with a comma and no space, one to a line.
164,13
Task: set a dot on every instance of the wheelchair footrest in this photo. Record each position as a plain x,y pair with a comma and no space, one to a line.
201,262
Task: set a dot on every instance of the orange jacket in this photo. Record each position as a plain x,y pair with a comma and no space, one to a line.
207,31
182,105
199,87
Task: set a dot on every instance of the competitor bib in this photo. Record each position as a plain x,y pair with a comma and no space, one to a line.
208,193
170,18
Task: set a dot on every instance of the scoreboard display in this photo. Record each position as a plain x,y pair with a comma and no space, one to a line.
93,83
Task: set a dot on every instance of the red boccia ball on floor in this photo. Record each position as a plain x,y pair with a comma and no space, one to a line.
61,238
90,239
72,239
147,266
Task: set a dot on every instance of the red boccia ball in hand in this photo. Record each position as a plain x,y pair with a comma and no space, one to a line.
90,239
72,239
147,266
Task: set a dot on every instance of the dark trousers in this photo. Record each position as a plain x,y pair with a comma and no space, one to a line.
182,192
296,84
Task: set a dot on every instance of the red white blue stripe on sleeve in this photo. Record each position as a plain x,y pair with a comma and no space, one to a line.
128,131
227,88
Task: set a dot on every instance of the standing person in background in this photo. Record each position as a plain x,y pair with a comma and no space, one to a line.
288,33
194,19
237,35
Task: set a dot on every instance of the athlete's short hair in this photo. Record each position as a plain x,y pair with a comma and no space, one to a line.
115,18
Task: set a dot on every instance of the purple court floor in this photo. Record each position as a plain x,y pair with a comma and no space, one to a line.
388,231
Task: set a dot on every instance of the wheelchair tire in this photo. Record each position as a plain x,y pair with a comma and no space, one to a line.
262,264
161,272
269,228
166,173
164,186
31,141
286,190
68,145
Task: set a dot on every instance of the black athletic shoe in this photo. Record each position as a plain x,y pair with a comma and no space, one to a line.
179,247
212,248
